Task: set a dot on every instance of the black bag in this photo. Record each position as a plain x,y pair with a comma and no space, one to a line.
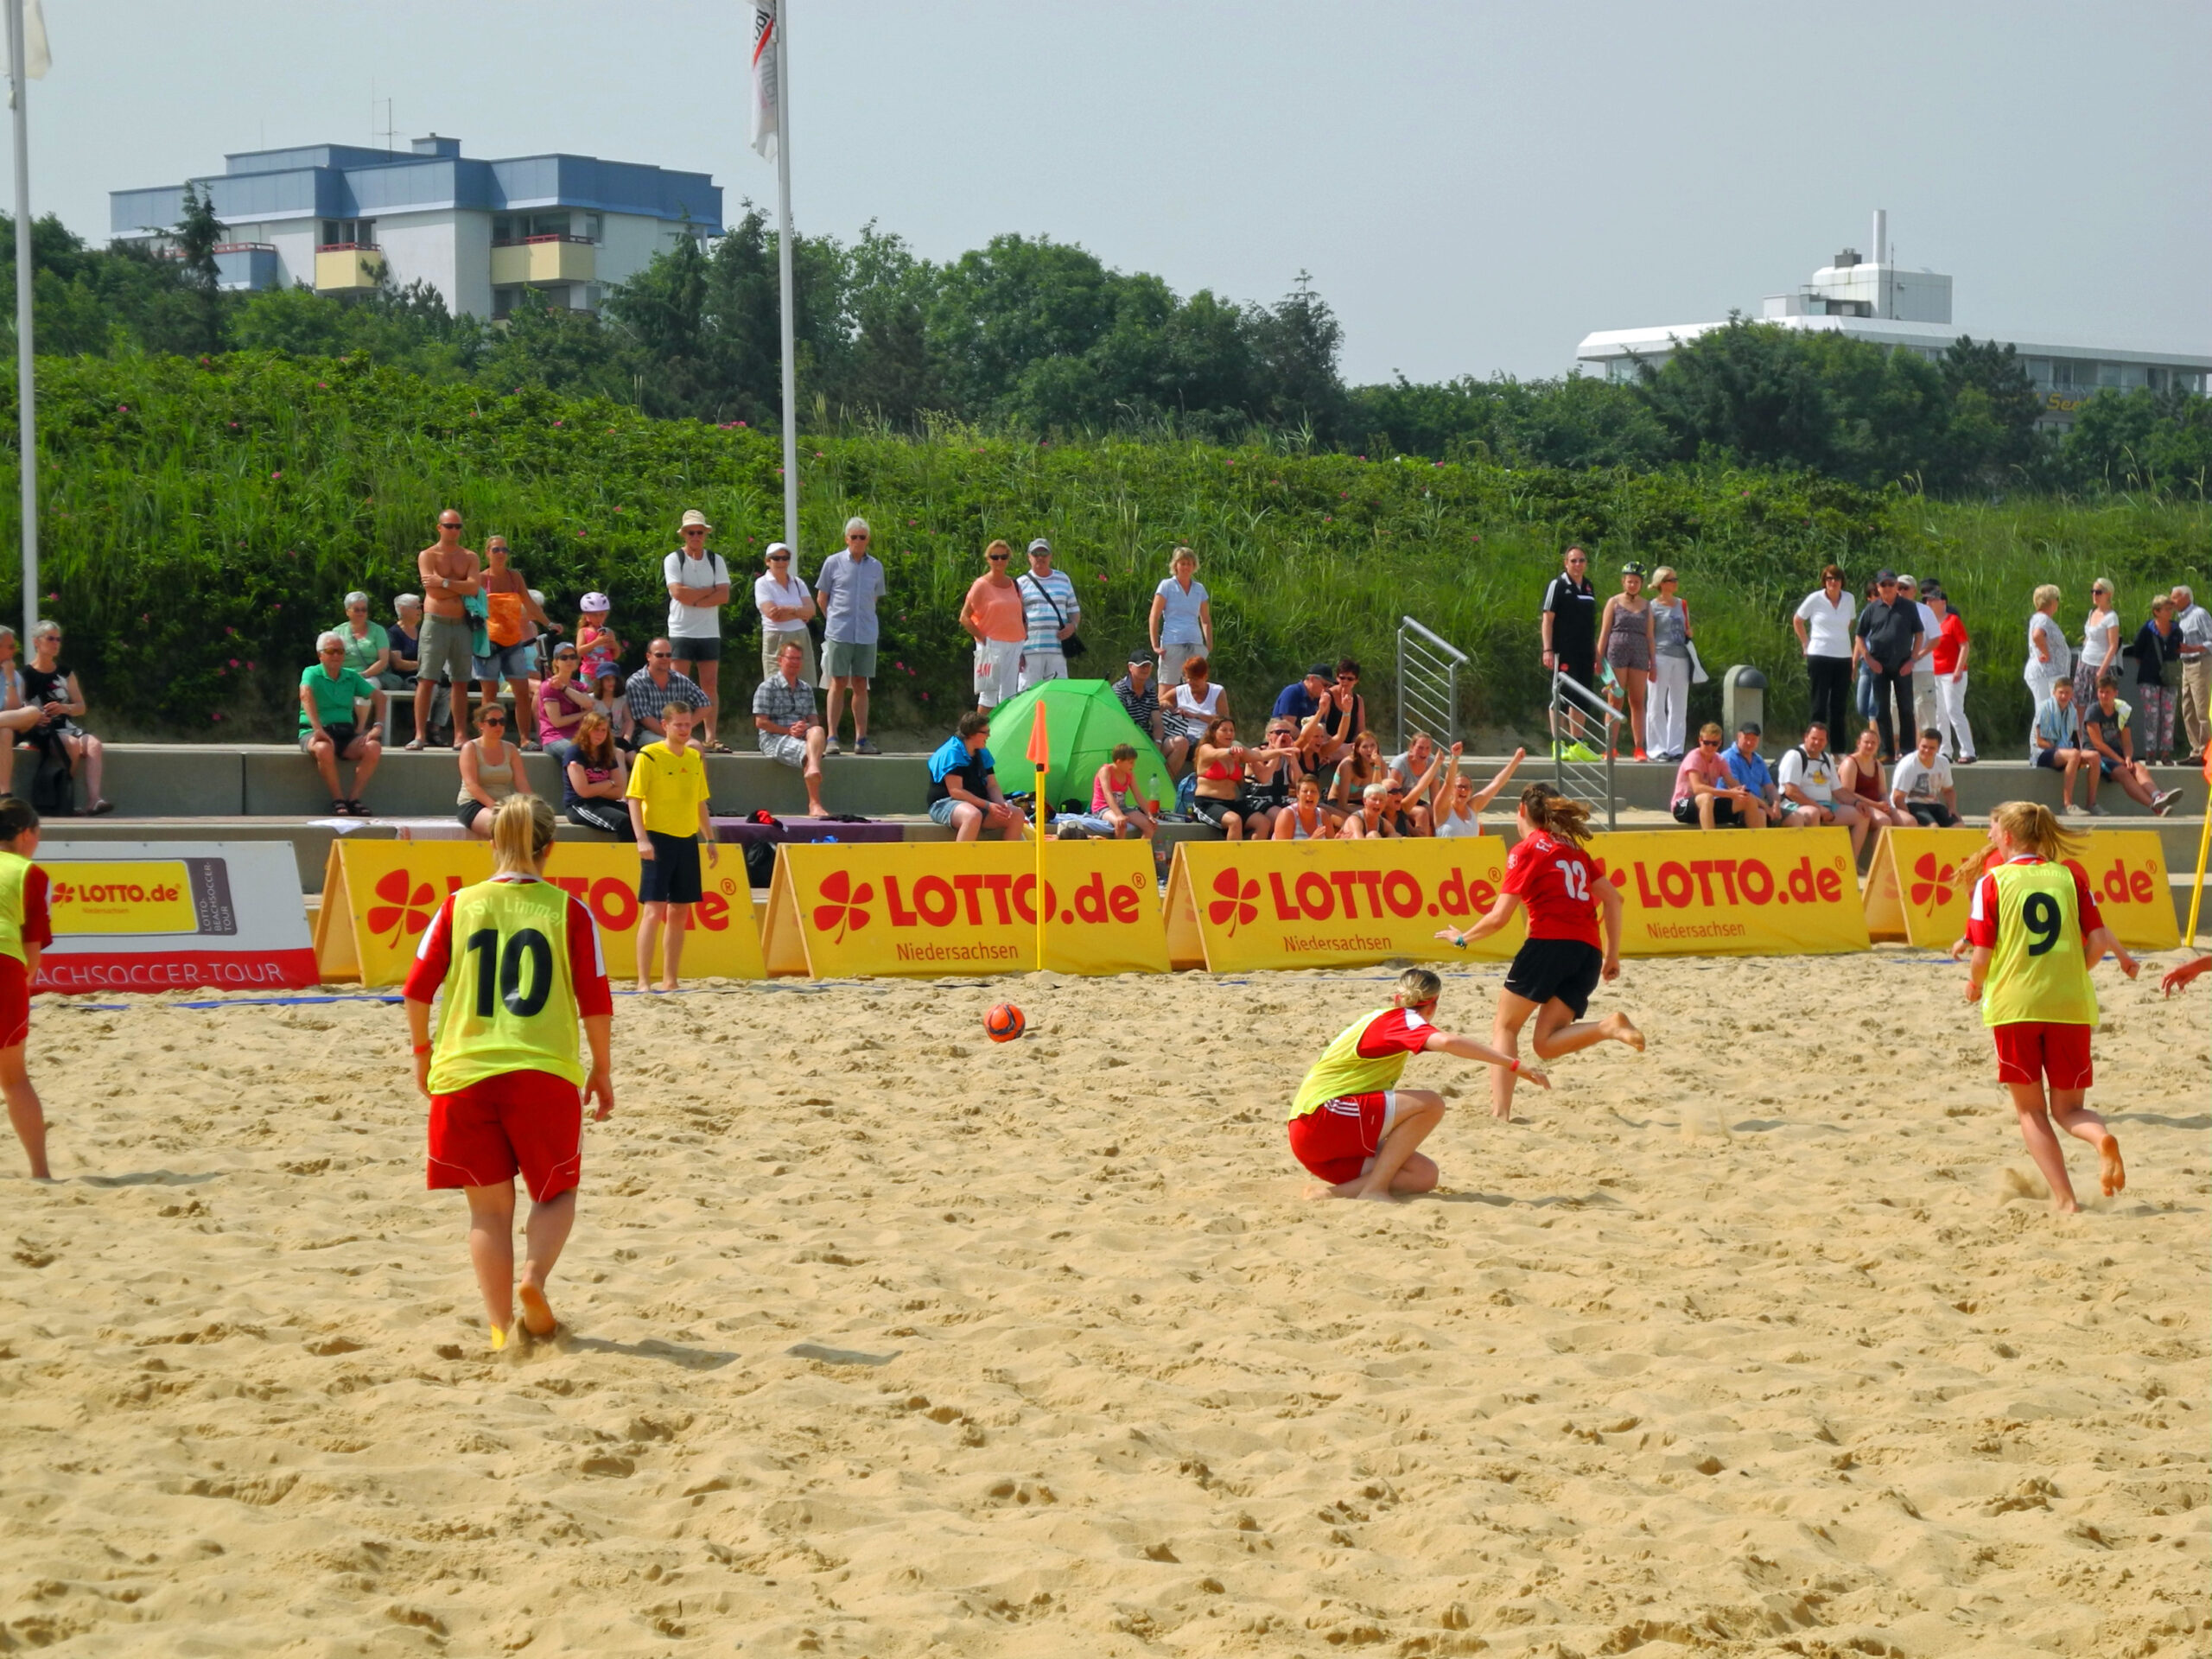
759,863
1073,646
53,786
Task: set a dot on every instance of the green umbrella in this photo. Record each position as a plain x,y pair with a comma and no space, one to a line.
1085,721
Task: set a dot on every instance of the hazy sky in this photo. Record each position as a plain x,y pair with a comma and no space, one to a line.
1473,187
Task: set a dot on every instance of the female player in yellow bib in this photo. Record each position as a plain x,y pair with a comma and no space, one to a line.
2036,932
518,963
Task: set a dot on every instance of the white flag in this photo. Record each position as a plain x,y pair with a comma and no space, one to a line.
767,96
37,59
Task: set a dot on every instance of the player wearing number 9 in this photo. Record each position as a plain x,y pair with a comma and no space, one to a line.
517,963
2036,931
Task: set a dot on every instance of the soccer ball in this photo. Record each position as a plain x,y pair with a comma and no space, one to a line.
1004,1023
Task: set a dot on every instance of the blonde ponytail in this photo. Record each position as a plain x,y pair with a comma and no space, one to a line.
521,834
1555,815
2031,827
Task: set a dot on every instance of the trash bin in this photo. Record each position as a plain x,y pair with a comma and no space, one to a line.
1743,697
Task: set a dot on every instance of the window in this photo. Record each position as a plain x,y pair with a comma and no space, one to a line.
337,232
503,304
592,227
503,228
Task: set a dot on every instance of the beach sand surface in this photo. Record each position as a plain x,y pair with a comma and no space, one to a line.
880,1340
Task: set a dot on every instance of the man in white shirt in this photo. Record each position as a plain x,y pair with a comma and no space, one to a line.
1923,661
2194,623
1809,780
1922,784
698,587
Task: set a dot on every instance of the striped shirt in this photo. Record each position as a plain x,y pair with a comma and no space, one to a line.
1039,597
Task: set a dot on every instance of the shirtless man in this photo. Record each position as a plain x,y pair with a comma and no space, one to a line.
445,650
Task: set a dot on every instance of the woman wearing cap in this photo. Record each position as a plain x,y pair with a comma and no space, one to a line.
1667,708
1624,641
1182,616
786,606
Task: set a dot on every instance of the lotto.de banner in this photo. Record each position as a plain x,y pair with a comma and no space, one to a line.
378,897
1705,893
943,908
159,916
1921,883
1233,906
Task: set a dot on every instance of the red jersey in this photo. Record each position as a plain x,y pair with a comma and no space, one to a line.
38,923
1981,909
586,967
1553,879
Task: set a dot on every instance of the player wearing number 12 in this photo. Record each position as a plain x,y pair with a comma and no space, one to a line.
519,964
2036,931
1560,964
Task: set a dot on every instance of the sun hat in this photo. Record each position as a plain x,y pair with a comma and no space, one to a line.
693,515
594,603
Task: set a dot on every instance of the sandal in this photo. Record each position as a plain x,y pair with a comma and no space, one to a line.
720,747
415,743
98,807
353,805
341,809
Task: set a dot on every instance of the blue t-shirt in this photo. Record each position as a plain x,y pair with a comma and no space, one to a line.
1295,702
974,769
1749,771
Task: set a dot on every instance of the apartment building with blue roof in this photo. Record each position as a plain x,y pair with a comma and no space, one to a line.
341,217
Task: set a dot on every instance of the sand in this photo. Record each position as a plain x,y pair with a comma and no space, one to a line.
1753,1345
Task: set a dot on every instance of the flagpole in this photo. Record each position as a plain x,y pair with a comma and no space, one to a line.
26,382
784,275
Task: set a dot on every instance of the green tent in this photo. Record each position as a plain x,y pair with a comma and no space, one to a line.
1083,720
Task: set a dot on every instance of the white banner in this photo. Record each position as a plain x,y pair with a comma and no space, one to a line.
170,915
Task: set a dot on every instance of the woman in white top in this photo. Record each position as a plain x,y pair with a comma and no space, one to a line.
2100,643
1459,805
1192,706
1823,625
2048,659
1182,616
786,606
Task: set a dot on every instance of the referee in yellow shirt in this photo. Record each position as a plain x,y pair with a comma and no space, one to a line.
668,814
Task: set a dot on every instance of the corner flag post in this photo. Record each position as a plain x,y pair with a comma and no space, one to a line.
1040,758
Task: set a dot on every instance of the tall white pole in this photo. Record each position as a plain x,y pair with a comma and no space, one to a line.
783,273
26,389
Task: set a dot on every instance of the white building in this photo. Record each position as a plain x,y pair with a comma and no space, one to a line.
340,218
1879,302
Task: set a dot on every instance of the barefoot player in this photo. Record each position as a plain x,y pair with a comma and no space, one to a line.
1351,1126
1561,961
669,819
2037,932
24,931
518,963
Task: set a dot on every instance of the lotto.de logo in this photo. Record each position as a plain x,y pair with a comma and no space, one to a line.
2117,884
1677,885
1344,895
1233,905
113,893
409,905
840,911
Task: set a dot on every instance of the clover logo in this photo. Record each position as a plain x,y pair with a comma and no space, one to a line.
406,909
841,906
1234,904
1932,883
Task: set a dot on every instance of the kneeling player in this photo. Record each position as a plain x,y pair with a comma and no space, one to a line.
518,963
1561,961
1351,1126
2036,932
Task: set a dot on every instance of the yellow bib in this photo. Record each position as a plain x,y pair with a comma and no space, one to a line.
2037,971
510,1002
1341,1071
15,870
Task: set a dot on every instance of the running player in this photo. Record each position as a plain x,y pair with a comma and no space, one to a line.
24,931
1562,960
518,963
2037,932
1351,1126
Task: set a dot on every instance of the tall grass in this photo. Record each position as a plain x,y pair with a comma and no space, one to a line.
202,521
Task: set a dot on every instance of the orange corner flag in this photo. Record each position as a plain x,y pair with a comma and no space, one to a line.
1040,747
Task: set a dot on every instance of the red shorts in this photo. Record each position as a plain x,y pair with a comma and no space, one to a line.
1337,1138
2029,1051
526,1122
14,1002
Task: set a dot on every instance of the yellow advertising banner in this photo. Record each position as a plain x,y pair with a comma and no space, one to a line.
138,897
1236,906
1922,881
1715,892
962,907
378,896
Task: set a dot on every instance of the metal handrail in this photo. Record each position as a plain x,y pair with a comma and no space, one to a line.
1429,681
1597,775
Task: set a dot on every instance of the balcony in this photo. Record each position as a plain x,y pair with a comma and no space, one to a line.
545,260
347,267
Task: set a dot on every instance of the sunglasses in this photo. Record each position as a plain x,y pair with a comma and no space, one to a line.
996,558
779,558
494,720
694,529
661,655
1709,742
857,536
449,523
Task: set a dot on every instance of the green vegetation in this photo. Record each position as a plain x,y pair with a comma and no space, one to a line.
204,516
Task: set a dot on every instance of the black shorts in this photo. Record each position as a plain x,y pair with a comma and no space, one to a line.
670,876
1724,813
1931,815
1566,969
698,650
1215,811
2047,759
1580,664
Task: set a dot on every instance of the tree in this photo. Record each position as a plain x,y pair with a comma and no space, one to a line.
1992,441
1749,390
195,238
1295,344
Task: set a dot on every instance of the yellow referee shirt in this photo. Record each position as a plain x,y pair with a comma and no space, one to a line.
673,787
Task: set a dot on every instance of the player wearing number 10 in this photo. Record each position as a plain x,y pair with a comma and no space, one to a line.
2036,932
518,961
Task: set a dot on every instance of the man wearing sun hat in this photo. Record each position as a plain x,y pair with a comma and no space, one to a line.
698,587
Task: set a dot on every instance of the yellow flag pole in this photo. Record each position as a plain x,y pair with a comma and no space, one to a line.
2203,854
1040,757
